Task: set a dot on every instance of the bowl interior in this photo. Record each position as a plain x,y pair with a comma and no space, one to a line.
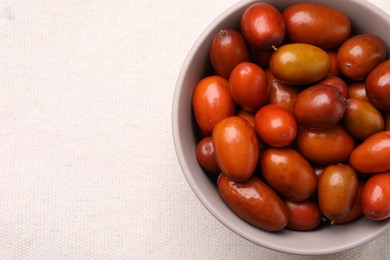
330,239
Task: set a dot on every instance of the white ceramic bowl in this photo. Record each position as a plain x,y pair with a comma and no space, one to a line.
331,239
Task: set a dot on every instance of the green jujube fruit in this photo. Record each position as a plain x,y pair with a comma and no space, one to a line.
300,64
362,119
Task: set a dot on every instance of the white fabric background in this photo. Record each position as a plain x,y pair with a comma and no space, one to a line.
87,164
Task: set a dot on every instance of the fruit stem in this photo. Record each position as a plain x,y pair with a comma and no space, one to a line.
222,33
347,102
274,47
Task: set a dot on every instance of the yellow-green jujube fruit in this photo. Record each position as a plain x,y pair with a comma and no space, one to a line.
300,64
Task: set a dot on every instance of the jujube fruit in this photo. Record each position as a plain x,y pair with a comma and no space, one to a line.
206,156
320,106
336,82
378,86
296,128
360,54
376,197
362,119
303,215
248,86
289,173
212,102
275,125
281,94
263,26
316,24
254,202
236,147
299,64
373,155
356,210
228,48
325,146
337,190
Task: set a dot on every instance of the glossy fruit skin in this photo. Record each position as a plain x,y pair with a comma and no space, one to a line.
325,146
288,173
249,86
360,54
320,106
337,189
206,156
228,48
334,68
281,94
337,83
362,119
263,26
376,197
254,202
304,215
356,210
212,102
236,148
275,125
378,86
373,155
357,90
300,64
316,24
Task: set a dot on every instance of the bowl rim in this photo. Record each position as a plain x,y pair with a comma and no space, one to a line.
179,149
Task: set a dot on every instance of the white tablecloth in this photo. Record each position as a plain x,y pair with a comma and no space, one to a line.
87,166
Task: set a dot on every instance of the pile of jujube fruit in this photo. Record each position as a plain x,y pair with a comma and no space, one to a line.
293,123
